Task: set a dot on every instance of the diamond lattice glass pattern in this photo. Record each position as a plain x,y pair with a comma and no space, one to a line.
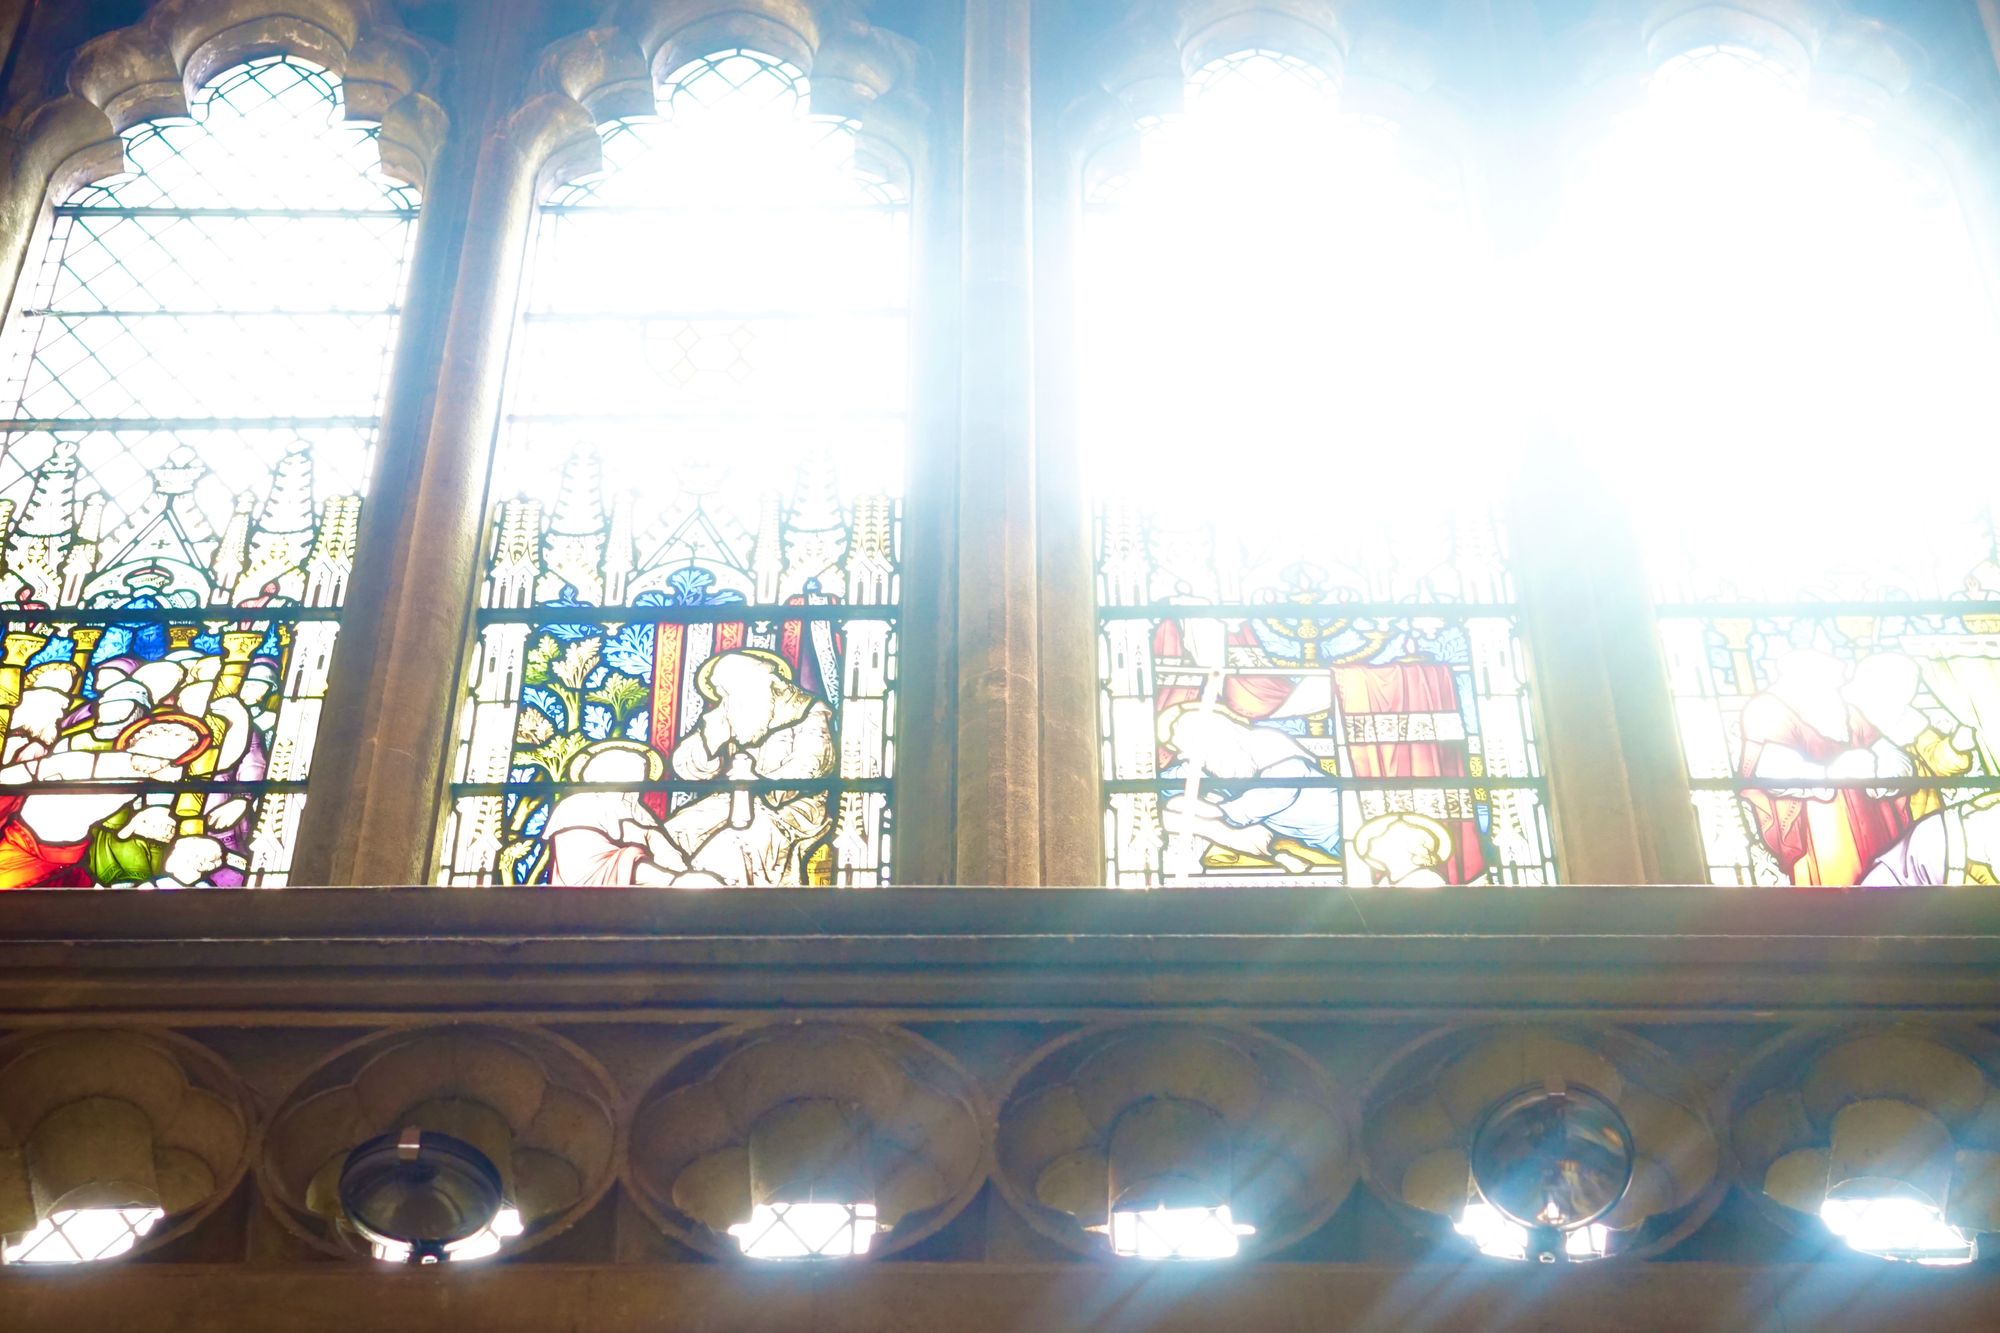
687,646
194,385
81,1236
1309,667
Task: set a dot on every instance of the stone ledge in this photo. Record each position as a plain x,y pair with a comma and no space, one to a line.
1657,952
976,1298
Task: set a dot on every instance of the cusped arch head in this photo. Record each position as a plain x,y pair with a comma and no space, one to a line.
747,1111
538,1107
1234,1114
1897,1110
856,71
108,1119
154,69
1426,1105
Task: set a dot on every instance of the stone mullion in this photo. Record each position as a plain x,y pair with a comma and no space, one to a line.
1072,826
1617,791
926,625
1618,794
375,796
998,780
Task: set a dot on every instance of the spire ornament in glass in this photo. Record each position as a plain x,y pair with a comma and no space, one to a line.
197,374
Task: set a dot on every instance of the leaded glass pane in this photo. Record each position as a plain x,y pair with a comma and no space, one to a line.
194,386
1310,670
1815,491
687,643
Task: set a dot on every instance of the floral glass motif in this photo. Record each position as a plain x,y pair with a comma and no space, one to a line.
687,650
1829,610
195,382
1309,666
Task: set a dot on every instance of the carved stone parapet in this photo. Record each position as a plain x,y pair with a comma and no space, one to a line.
1244,1118
749,1116
1428,1102
1902,1111
105,1119
539,1108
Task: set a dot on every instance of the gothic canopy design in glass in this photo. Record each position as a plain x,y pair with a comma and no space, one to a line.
1310,672
194,389
685,671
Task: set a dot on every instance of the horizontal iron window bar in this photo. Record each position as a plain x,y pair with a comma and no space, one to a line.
89,211
266,787
708,206
677,615
1462,784
1305,611
689,420
692,316
1816,610
1845,784
124,425
756,786
314,313
167,615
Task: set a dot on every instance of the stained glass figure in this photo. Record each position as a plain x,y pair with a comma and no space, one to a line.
1309,666
686,663
1814,496
195,380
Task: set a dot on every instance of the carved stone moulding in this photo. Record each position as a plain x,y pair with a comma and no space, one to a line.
752,1120
1383,68
537,1107
116,1120
154,68
856,70
1205,1115
1426,1105
1902,1112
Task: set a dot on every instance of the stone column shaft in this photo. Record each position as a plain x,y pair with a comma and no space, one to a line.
998,834
376,797
1072,824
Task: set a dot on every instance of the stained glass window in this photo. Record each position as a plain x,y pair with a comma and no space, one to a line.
686,658
1793,400
1310,670
193,384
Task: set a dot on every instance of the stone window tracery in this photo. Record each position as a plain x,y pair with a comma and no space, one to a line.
687,648
196,373
1789,399
1270,295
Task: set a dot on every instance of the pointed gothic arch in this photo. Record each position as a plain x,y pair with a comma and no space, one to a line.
188,427
710,367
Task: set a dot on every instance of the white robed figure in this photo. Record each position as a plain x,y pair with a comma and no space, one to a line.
758,725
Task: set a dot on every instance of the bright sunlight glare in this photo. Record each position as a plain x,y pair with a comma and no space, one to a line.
1499,1238
82,1236
807,1230
482,1244
1177,1233
1897,1227
1757,301
1270,272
